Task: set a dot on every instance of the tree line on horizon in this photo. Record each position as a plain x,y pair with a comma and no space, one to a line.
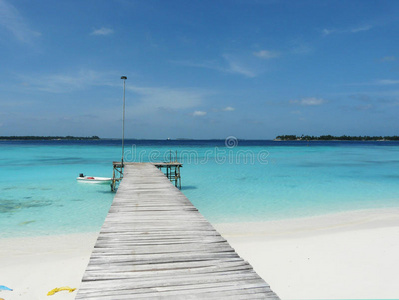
336,138
47,138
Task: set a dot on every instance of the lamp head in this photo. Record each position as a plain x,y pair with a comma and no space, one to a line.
123,77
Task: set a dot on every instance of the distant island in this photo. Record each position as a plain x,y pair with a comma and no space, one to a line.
335,138
46,138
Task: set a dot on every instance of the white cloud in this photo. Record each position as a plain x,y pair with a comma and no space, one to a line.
199,113
300,46
146,99
362,28
266,54
63,83
102,31
229,108
213,65
231,64
237,66
11,19
155,98
312,101
7,104
375,82
326,32
387,82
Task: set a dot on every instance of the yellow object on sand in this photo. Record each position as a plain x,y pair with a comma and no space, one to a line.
56,290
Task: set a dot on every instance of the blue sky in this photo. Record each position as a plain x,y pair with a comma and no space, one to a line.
199,69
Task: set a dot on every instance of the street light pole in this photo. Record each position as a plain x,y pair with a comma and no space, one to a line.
123,119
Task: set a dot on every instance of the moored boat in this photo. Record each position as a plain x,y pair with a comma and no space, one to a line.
93,179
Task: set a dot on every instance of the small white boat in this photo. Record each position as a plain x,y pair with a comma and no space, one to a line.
93,179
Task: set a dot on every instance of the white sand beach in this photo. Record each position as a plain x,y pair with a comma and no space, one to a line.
352,255
33,266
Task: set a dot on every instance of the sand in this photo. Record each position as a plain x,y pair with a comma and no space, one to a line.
34,266
352,255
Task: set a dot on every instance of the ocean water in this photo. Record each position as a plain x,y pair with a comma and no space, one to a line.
228,181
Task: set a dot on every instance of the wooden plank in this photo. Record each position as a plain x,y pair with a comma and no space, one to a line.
244,294
227,278
154,244
149,275
190,266
173,291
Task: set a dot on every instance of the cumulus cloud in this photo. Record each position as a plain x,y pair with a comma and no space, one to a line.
312,101
266,54
102,31
199,113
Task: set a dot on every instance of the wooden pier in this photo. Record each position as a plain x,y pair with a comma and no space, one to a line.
171,170
154,244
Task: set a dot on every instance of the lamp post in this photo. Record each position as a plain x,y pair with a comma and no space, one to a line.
123,118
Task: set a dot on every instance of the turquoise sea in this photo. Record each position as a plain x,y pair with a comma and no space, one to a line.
228,181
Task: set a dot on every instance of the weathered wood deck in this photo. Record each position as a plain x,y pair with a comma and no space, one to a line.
154,244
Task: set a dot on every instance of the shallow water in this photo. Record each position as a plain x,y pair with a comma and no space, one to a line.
251,181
